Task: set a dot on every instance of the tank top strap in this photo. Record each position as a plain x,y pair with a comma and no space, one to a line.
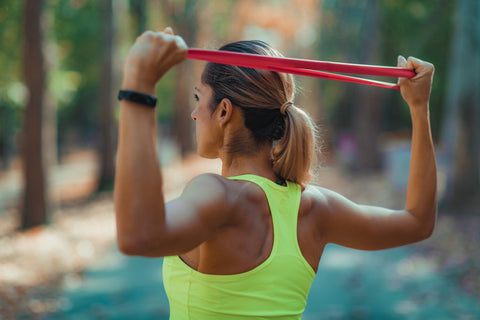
284,203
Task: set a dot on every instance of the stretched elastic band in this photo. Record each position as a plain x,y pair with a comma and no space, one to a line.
303,66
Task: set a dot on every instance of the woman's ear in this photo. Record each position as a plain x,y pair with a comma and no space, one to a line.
225,111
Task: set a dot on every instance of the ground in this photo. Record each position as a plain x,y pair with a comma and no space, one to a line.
71,268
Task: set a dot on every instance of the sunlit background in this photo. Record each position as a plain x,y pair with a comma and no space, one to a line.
60,71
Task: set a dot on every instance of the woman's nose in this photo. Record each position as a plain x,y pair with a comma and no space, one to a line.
194,115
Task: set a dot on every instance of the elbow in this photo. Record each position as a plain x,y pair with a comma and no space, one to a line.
427,231
136,239
132,244
426,228
127,246
140,246
422,224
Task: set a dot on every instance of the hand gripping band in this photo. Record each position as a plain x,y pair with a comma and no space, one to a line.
303,67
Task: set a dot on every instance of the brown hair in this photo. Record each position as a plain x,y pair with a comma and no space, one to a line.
266,101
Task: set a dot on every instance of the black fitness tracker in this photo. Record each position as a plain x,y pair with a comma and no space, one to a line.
138,97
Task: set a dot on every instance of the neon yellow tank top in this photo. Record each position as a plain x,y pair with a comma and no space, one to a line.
276,289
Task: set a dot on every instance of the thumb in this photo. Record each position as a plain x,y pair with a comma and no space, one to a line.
401,61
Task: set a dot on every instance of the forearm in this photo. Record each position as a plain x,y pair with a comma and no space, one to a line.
421,199
138,195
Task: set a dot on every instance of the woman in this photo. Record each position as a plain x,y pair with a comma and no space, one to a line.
246,244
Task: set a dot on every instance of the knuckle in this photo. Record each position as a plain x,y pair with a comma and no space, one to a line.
181,43
148,34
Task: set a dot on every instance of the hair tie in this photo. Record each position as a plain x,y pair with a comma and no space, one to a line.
285,106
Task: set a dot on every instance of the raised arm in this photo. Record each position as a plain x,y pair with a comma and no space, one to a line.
371,228
421,199
145,225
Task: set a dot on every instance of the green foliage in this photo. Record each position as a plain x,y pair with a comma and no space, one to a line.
166,98
11,46
76,79
12,90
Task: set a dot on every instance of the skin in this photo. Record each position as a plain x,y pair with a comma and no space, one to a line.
221,226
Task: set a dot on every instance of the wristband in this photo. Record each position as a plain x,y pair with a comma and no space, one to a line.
138,97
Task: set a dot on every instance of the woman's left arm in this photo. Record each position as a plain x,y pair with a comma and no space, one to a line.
372,228
421,199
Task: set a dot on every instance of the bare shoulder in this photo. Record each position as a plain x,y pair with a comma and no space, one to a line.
203,209
321,196
316,196
217,187
207,182
224,194
318,202
207,190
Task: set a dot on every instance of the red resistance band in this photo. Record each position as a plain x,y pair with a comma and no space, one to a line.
303,67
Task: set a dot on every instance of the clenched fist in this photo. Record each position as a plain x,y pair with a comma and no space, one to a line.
416,91
150,57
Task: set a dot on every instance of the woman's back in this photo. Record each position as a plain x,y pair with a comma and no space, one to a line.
247,240
259,270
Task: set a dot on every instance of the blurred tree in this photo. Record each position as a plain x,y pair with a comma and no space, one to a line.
7,129
409,27
107,168
138,11
13,92
185,22
461,136
77,77
354,109
33,146
366,115
422,29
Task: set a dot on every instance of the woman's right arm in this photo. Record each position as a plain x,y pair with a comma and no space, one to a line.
145,225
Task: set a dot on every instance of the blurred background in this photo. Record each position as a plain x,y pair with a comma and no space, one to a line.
60,70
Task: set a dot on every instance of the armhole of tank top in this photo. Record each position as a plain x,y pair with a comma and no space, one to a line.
263,184
230,277
298,199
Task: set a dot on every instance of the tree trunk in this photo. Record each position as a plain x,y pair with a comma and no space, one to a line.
138,10
367,110
183,108
186,22
107,169
461,135
33,145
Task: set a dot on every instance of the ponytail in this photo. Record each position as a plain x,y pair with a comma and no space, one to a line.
293,153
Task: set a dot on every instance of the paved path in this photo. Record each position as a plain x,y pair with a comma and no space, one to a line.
392,284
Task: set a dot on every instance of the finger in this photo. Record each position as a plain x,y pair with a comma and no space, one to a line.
420,67
181,43
415,61
401,63
168,30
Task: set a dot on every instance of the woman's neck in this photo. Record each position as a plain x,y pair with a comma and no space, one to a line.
258,163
